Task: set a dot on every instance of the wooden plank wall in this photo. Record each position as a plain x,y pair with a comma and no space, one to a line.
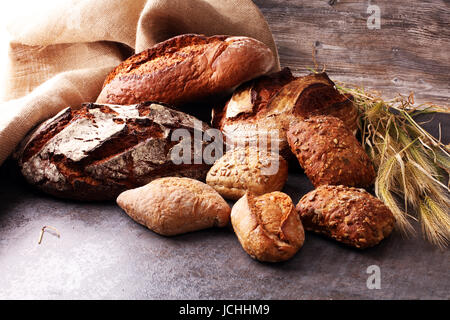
410,51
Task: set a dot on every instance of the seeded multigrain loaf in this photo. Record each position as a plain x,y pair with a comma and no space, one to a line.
171,206
247,169
98,151
186,69
268,227
330,153
348,215
273,102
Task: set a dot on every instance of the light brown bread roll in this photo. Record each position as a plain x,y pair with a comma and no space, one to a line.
187,68
268,226
330,153
171,206
348,215
247,169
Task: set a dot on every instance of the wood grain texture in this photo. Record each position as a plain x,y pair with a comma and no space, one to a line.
410,51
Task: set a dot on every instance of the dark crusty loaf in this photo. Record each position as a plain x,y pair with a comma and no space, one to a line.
348,215
274,102
330,153
187,68
98,151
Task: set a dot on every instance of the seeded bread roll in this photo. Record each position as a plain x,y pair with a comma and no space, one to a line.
330,153
272,103
171,206
186,69
247,169
348,215
98,151
268,227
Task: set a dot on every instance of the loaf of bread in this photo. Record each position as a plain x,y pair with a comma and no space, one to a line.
98,151
348,215
270,104
330,153
187,68
268,227
247,169
171,206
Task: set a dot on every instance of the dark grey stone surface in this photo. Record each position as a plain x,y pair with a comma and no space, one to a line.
103,254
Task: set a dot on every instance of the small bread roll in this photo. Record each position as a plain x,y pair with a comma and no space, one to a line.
330,153
268,226
171,206
348,215
247,169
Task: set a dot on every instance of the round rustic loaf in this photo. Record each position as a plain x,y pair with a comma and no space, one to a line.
268,227
98,151
187,68
330,153
247,169
171,206
271,103
348,215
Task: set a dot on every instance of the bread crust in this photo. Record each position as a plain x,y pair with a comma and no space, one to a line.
273,102
242,170
348,215
98,151
268,226
186,69
171,206
329,153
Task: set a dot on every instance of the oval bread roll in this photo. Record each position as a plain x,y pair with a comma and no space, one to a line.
187,68
348,215
330,153
171,206
247,169
268,226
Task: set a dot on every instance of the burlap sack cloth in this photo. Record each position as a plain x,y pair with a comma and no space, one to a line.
59,55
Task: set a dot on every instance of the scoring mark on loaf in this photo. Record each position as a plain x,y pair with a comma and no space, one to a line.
83,136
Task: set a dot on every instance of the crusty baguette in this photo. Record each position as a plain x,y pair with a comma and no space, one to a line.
171,206
187,68
268,226
98,151
330,153
348,215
